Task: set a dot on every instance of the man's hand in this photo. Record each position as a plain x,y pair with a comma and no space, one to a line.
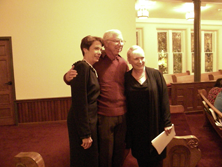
168,130
87,142
70,74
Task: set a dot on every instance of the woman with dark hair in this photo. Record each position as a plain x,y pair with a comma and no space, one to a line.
82,117
212,94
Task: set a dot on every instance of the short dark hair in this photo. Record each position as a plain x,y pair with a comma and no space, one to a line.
218,83
88,41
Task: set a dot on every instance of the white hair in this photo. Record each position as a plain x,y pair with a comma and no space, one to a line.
134,49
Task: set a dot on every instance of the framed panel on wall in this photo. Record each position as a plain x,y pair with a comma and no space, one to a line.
139,37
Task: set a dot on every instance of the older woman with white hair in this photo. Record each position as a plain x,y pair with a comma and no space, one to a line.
148,111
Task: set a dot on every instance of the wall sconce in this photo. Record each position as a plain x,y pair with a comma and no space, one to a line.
142,13
190,16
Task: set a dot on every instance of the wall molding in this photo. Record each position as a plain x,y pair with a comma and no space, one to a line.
178,21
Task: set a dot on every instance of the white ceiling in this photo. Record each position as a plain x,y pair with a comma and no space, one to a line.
173,9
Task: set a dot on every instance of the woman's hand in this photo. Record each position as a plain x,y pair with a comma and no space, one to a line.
168,129
87,142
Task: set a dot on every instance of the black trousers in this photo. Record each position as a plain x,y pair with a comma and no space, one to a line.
149,163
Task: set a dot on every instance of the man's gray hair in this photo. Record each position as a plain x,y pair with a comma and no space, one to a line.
109,33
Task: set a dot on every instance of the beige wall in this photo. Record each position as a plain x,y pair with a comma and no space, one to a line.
150,27
46,36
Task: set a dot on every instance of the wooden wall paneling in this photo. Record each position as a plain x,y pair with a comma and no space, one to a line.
41,110
186,94
189,101
56,109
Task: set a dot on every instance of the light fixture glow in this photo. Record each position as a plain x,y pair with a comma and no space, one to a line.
190,16
142,7
142,13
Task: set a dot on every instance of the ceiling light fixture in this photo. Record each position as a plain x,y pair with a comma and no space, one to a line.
142,13
190,16
142,8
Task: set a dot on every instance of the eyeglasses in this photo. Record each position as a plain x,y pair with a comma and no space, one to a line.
122,42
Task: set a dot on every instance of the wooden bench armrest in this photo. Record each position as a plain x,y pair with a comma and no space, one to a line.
203,91
182,74
215,77
183,151
29,159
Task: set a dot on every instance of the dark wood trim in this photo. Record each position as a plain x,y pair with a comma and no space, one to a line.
43,110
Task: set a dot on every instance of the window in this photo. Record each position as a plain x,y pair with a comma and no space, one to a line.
162,52
177,52
171,51
208,58
172,46
208,52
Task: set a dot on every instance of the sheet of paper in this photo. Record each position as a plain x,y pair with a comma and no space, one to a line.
162,140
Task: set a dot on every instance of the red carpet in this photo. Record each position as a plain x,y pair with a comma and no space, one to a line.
51,141
210,142
48,139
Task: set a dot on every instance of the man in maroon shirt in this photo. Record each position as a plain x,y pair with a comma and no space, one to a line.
111,102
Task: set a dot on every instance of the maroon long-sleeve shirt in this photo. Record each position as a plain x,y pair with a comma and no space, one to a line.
112,101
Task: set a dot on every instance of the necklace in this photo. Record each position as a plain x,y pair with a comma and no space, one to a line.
91,67
140,77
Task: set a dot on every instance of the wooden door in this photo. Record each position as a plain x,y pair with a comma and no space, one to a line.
7,87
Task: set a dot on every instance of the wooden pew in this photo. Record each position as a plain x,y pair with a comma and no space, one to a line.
214,77
210,112
182,74
183,79
205,76
29,159
182,150
190,78
219,72
210,75
186,94
170,78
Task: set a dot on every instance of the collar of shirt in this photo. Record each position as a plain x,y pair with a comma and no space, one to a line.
104,54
